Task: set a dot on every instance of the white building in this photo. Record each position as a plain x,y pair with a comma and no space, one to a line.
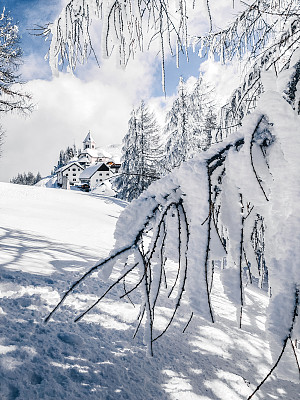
94,175
70,171
90,155
90,170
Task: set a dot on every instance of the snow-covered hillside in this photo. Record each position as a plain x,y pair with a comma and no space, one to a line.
48,238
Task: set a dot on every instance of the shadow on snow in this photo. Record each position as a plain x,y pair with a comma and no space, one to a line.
97,357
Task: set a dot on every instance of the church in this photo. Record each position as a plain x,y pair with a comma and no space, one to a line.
89,170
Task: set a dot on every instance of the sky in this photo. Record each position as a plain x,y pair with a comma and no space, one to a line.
95,99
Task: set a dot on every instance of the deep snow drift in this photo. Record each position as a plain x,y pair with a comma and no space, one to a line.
48,238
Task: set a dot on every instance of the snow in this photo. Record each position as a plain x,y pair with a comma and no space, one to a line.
49,182
88,172
50,237
91,152
105,188
112,151
69,165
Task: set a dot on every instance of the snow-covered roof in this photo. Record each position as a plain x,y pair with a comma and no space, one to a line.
69,165
89,171
91,152
103,153
89,138
84,159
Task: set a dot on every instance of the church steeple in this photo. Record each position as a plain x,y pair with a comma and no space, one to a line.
89,142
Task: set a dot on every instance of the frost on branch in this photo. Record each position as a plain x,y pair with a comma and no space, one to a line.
12,98
126,27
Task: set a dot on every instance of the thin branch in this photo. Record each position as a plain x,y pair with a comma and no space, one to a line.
295,313
187,324
89,272
105,293
251,157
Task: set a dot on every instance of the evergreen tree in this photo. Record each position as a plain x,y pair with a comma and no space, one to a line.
38,177
65,156
178,130
26,179
210,124
189,123
202,118
140,154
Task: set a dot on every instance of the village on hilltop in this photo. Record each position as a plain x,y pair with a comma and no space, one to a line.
89,170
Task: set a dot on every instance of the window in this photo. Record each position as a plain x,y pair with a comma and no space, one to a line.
69,169
107,173
74,169
100,173
74,174
67,174
100,180
78,170
96,180
74,180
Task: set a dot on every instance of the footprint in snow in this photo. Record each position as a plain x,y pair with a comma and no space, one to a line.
70,338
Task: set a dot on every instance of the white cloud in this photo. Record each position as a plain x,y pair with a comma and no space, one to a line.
224,78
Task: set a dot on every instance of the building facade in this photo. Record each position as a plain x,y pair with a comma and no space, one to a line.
70,171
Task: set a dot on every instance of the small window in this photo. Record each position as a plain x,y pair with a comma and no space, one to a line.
67,174
74,174
100,180
74,169
100,173
74,180
96,180
69,169
78,170
107,173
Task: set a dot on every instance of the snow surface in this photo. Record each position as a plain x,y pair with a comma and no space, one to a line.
105,188
49,182
50,237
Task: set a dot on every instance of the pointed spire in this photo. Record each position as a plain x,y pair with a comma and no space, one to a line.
88,138
89,142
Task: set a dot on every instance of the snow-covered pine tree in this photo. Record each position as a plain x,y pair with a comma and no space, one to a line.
26,179
69,154
75,151
189,123
202,116
177,130
140,154
12,97
210,125
65,156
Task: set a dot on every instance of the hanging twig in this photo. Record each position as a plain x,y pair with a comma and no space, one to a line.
140,318
296,357
126,294
295,313
187,324
147,301
181,289
179,254
93,269
208,245
105,293
251,157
